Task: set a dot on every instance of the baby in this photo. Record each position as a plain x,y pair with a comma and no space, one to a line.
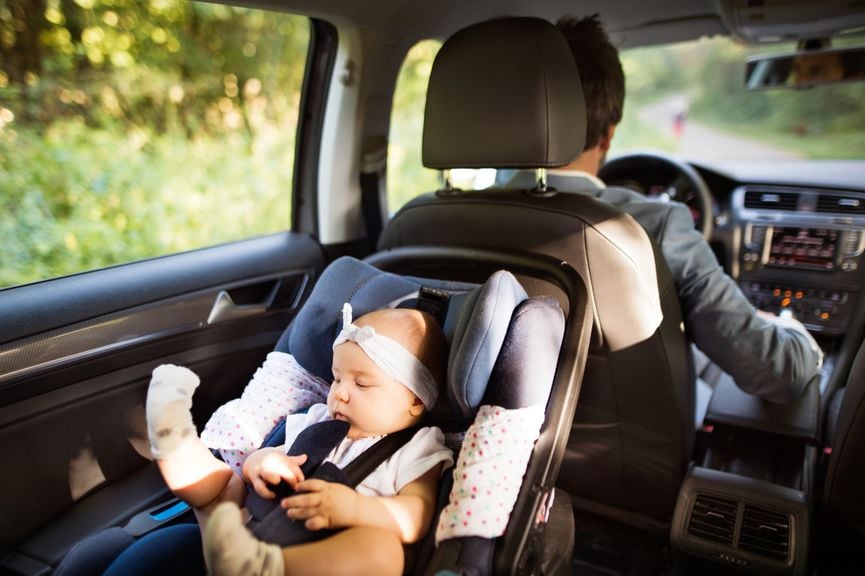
386,367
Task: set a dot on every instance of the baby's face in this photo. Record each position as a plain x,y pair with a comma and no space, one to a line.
372,402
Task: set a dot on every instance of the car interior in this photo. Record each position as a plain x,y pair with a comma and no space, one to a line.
625,477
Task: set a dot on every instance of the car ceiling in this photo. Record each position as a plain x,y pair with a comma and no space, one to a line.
631,23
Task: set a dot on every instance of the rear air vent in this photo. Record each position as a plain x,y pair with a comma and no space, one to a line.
713,518
768,200
765,532
840,204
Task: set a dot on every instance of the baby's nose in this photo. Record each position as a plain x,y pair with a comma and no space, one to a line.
342,393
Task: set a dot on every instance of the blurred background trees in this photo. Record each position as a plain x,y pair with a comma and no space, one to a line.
709,75
136,128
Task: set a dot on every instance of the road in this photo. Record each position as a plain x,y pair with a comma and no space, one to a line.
697,141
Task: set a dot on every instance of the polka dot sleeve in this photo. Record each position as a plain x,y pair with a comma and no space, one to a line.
279,387
489,472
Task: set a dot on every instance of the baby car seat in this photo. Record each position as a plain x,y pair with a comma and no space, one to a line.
514,364
504,350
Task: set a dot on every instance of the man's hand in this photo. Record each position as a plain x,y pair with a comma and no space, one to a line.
793,324
272,466
322,504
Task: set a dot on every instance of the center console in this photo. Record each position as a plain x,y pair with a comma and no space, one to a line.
811,271
802,250
745,503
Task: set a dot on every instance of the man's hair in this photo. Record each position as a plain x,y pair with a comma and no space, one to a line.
600,73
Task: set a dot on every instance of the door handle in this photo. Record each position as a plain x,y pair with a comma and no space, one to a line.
224,308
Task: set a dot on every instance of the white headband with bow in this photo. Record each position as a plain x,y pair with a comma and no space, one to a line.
391,356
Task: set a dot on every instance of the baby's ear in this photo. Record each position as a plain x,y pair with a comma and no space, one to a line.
416,408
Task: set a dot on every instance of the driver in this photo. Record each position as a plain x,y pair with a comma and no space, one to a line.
771,357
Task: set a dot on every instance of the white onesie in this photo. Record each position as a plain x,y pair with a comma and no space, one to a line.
410,462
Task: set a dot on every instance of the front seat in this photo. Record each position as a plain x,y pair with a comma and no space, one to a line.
506,94
841,514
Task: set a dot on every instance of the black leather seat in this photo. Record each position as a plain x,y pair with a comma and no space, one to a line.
841,514
506,94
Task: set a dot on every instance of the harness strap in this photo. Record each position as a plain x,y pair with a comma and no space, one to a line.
269,522
365,463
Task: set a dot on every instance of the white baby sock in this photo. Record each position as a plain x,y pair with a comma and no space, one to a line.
169,399
230,549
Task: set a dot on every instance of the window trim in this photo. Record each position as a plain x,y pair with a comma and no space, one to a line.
321,58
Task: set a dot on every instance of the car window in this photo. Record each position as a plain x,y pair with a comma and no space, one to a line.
406,176
130,130
689,98
686,98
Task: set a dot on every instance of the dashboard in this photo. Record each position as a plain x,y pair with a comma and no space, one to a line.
793,237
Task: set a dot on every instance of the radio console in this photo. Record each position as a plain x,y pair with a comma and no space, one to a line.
799,247
811,248
773,252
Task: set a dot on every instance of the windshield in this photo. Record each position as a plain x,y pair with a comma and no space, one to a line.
690,99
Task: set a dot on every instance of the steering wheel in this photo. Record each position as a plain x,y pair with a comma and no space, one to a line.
665,178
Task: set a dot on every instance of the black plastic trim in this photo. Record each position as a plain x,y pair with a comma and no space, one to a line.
35,308
796,419
313,100
743,491
136,328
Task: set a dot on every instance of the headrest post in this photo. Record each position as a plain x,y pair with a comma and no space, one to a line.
541,189
541,180
447,184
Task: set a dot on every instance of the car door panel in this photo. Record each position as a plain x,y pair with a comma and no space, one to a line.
75,359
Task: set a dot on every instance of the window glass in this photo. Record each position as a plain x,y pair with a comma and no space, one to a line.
689,98
133,129
406,176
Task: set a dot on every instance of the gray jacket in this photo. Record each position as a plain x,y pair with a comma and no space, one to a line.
765,359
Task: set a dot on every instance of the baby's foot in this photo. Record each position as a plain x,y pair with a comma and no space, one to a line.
230,549
169,399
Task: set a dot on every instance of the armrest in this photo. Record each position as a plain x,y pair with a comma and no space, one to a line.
796,419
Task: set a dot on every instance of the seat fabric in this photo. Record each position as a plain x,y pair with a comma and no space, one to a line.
841,515
633,431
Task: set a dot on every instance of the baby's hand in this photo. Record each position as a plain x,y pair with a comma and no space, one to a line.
272,466
322,504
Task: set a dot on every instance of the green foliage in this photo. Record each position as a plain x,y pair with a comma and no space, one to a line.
407,177
652,72
137,129
77,198
635,133
821,122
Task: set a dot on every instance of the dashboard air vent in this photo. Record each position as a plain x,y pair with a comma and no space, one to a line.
713,518
839,204
765,532
767,200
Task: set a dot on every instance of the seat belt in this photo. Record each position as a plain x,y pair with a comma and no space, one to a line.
372,193
269,521
434,302
369,460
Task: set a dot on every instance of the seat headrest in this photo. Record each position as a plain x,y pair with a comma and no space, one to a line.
310,336
504,94
476,323
480,332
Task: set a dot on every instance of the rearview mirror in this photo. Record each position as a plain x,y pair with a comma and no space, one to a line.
805,68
